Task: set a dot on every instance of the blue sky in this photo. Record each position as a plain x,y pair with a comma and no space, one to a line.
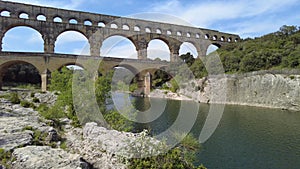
245,18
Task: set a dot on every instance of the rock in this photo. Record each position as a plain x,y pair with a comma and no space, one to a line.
44,157
104,148
263,88
52,135
13,140
47,97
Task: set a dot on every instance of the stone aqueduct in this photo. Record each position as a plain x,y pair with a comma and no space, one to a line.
52,22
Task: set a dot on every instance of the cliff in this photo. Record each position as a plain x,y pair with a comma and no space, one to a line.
274,89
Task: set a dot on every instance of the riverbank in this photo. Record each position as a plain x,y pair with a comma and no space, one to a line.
272,89
29,141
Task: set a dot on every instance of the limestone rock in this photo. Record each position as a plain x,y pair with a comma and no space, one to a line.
44,157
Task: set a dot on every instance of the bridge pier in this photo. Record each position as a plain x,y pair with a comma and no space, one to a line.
45,77
144,84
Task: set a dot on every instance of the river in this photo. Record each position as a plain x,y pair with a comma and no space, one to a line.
246,137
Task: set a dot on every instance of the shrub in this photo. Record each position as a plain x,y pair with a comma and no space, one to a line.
14,98
35,100
27,104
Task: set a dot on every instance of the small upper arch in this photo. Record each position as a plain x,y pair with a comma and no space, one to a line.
23,15
57,19
73,21
41,17
88,22
125,27
5,13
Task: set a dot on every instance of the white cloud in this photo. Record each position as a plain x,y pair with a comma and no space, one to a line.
208,14
69,4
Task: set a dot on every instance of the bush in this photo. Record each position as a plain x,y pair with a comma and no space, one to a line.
14,98
35,100
27,104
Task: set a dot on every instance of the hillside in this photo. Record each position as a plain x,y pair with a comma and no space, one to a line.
277,50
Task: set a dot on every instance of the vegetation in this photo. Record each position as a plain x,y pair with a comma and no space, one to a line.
273,51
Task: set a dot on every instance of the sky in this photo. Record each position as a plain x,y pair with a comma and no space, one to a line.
245,18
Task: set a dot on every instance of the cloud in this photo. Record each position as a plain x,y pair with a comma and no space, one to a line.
67,4
218,14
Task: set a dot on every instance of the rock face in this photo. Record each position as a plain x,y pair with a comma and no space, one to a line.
105,148
264,88
43,157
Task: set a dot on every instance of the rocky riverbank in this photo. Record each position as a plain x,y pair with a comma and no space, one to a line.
274,89
28,141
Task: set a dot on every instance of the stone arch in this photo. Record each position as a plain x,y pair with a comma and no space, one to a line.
5,13
189,47
132,69
125,27
39,48
4,68
137,28
101,24
116,41
88,22
23,15
58,67
41,17
80,42
159,48
212,47
57,19
73,21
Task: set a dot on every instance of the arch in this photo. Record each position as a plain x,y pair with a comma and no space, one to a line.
215,37
222,38
158,48
5,13
188,47
169,32
101,24
148,30
212,48
88,23
179,33
132,69
197,35
41,17
73,21
188,35
206,36
69,65
236,39
57,19
119,46
158,31
126,27
72,42
114,26
137,28
17,71
23,15
229,39
22,39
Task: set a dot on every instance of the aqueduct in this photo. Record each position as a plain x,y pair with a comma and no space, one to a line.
52,22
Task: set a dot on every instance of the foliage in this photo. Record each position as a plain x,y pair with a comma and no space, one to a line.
178,157
279,49
14,98
175,85
22,73
117,121
5,157
27,104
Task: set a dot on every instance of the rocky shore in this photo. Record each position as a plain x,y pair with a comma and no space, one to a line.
28,141
273,89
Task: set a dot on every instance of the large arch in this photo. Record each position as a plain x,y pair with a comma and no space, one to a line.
158,49
22,39
72,42
188,47
19,71
212,48
118,46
